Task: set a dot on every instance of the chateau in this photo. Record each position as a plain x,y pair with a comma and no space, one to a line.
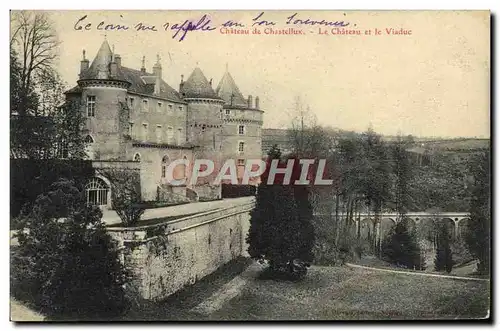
136,121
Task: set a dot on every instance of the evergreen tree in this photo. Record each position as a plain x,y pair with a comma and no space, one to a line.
280,226
443,260
67,263
401,247
478,228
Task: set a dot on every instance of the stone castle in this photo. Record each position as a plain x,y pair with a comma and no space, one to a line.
135,120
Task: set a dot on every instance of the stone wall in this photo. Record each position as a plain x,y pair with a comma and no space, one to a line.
165,257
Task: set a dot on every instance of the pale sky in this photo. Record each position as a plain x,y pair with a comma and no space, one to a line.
434,82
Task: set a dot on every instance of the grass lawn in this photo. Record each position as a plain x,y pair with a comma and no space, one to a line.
341,293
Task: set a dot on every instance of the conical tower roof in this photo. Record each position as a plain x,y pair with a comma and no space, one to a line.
100,64
197,86
229,91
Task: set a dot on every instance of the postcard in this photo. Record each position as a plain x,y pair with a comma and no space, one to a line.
262,165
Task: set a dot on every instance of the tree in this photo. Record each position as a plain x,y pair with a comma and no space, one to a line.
402,171
67,263
443,260
125,194
35,38
43,126
280,225
401,247
478,228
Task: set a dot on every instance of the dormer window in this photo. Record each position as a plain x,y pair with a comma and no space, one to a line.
228,111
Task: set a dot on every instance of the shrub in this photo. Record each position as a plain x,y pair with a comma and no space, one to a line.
401,247
443,260
281,231
125,194
66,262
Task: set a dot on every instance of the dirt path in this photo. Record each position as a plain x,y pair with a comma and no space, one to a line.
228,291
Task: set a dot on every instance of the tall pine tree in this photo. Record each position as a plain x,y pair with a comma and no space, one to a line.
443,260
401,247
478,228
280,226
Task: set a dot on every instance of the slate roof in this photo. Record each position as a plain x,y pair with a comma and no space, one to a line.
140,82
143,83
100,63
197,86
229,91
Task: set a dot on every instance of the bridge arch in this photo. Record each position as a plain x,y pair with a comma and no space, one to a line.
463,225
450,226
410,223
366,228
386,224
426,229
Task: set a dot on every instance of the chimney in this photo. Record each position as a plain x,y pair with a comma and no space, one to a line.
157,89
84,64
157,67
113,67
143,67
118,60
257,106
250,101
181,85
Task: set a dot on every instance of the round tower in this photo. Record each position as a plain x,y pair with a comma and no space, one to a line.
204,120
103,98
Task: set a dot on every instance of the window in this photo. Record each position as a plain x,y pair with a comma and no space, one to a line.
164,165
62,149
241,146
160,105
137,157
241,129
91,106
131,100
89,148
228,111
130,128
144,131
170,134
180,108
97,192
158,134
203,128
179,136
88,139
241,162
170,107
145,104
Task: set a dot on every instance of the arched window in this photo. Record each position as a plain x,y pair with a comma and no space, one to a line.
97,192
89,139
89,147
164,165
137,157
